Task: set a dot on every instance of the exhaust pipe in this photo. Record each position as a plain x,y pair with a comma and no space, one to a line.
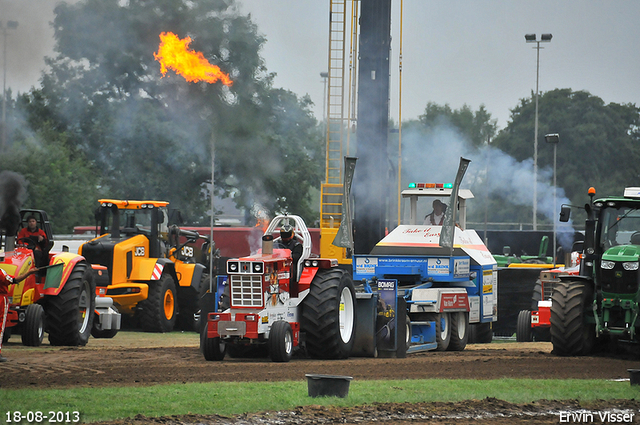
267,244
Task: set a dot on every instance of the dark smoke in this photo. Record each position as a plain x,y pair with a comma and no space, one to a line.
13,192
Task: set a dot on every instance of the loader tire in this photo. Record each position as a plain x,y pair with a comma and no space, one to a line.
33,328
70,313
329,315
459,331
443,329
280,342
571,332
211,348
523,327
159,310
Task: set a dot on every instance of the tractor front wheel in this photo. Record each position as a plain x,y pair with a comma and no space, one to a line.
329,315
159,310
70,313
33,329
281,342
211,348
523,327
572,333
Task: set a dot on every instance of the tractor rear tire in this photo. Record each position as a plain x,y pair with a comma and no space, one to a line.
537,295
329,315
70,313
280,342
459,331
523,327
571,333
443,329
159,310
211,348
33,328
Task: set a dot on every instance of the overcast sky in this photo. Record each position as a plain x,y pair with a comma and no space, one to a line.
454,52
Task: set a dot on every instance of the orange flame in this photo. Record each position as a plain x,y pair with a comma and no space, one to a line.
263,223
173,53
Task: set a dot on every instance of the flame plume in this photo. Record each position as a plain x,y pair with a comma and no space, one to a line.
173,53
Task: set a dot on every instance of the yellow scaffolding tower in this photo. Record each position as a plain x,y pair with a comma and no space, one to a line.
332,188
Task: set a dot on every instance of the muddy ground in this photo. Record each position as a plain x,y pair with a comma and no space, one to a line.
176,358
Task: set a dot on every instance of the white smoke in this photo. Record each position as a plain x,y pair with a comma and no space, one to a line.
433,156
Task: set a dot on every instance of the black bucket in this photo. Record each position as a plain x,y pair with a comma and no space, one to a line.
634,376
328,385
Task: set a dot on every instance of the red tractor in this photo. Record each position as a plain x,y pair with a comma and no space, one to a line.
535,324
280,300
60,298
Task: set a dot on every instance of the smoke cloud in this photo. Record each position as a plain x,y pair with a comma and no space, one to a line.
13,192
433,156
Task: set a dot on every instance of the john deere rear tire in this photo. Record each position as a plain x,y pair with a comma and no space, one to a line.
459,331
523,327
571,332
159,311
33,328
329,315
70,313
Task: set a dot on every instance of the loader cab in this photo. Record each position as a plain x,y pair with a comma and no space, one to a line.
418,202
124,219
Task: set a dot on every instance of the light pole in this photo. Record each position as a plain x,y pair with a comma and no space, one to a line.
554,139
531,38
10,25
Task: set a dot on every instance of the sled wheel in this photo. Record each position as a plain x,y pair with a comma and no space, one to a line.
33,329
329,315
159,310
459,331
281,341
70,313
443,329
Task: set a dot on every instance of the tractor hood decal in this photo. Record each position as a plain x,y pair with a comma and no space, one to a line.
424,240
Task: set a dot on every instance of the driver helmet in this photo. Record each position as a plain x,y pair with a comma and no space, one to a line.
286,232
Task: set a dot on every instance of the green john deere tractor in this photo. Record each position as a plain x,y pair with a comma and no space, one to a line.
601,303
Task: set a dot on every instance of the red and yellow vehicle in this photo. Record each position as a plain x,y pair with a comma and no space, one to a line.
59,298
535,324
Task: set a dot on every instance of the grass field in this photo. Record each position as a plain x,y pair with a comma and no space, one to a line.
97,404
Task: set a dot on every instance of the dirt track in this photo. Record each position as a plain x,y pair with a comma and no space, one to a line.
176,358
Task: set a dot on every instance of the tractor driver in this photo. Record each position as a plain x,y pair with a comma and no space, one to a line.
38,236
287,238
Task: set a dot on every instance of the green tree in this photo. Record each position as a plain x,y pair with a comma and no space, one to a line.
477,127
151,137
59,182
599,143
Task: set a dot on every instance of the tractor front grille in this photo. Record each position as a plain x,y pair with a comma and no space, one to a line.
619,281
246,290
